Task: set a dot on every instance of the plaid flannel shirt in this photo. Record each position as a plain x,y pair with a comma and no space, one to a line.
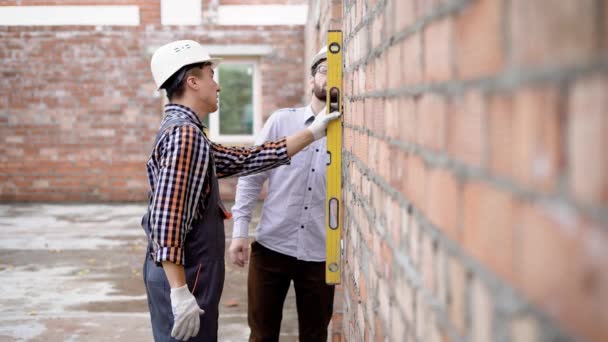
178,176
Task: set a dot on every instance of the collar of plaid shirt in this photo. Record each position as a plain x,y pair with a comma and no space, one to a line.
173,109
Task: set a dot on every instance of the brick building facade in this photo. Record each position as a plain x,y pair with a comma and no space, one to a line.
78,107
475,175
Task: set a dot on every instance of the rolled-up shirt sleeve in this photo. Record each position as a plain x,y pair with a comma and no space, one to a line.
184,159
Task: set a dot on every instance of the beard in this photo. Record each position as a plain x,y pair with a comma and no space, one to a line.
321,94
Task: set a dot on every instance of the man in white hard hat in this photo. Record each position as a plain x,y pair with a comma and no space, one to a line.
184,267
290,237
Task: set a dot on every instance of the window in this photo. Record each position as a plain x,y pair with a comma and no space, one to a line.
237,119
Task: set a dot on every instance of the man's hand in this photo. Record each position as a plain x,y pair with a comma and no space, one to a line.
319,126
185,314
239,251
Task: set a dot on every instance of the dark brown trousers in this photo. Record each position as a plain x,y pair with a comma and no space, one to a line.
270,275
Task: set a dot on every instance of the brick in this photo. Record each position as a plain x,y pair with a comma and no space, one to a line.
552,32
392,114
411,59
373,157
465,138
399,171
478,40
434,333
385,307
457,300
379,121
571,292
537,139
422,319
376,26
438,51
431,115
379,334
394,58
587,127
427,266
525,329
488,227
404,224
406,14
414,242
386,157
594,282
482,308
416,181
501,135
381,68
388,260
362,290
443,199
394,222
407,120
397,325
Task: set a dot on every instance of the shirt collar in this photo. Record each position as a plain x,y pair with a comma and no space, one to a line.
173,109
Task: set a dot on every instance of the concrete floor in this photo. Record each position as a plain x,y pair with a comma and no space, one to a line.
73,273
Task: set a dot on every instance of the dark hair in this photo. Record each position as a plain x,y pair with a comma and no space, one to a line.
313,68
174,85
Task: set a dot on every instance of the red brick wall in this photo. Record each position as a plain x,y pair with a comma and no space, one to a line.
78,108
475,175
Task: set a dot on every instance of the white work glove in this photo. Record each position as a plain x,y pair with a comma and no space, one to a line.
186,320
319,126
239,251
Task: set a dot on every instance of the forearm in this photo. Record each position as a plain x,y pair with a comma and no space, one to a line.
296,142
242,161
175,274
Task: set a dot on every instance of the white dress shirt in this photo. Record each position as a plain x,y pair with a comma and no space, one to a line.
293,215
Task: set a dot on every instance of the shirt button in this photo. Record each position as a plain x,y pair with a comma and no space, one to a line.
302,227
305,208
313,170
309,189
317,150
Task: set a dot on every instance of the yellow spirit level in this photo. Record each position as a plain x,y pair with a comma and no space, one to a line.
333,208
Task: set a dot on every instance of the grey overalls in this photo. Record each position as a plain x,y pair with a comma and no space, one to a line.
204,265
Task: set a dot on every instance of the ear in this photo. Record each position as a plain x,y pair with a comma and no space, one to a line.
311,83
193,82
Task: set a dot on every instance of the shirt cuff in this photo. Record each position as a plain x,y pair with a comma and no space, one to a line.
172,254
240,229
284,159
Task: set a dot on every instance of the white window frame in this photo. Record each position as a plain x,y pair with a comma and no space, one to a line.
181,12
214,118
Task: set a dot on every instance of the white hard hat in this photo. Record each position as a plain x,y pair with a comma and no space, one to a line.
322,54
169,58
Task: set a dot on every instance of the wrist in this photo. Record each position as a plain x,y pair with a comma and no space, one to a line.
240,230
316,133
180,293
